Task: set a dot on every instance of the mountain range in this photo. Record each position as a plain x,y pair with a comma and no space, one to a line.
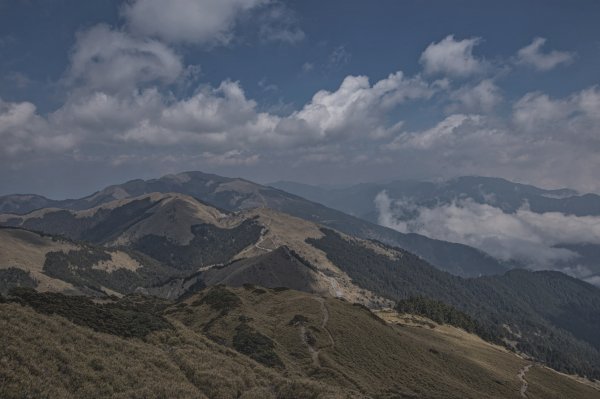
235,194
516,223
176,242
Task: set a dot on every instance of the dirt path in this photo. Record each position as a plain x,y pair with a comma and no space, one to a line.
325,313
521,376
314,352
261,239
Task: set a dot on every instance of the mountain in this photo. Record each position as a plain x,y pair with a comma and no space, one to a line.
249,343
178,244
358,199
172,245
534,227
237,194
55,264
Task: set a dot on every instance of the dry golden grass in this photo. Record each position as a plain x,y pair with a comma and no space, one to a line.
361,353
27,250
358,355
49,357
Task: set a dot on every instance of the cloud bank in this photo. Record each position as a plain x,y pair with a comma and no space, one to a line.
526,236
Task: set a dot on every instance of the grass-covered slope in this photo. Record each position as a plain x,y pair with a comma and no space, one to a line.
550,316
248,342
55,264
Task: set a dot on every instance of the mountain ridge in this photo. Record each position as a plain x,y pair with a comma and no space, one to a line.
236,194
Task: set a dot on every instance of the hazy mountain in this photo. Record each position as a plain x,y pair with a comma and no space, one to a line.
235,194
251,343
537,228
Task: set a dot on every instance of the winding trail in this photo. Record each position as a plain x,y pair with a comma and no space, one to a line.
260,241
314,352
525,384
325,312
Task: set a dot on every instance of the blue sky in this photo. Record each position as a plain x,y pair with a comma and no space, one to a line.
97,92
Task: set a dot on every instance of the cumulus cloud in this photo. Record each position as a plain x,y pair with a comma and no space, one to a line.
573,119
187,21
22,130
547,141
452,57
113,61
449,131
482,97
359,108
224,115
524,235
210,22
532,55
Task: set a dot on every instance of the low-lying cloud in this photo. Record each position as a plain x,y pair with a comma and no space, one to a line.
525,236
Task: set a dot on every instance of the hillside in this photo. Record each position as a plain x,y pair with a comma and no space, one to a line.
475,201
55,264
251,343
182,245
548,315
236,194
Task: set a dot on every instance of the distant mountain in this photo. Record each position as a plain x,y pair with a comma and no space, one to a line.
236,194
358,199
497,197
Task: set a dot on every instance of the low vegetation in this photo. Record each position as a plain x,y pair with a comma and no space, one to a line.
54,346
78,268
551,316
124,318
210,245
256,345
438,312
14,277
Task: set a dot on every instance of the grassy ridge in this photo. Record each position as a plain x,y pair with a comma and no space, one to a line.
52,349
553,317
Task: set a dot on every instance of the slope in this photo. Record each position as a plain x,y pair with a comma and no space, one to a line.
236,194
251,343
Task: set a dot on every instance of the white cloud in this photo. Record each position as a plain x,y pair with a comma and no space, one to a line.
546,141
187,21
484,96
222,116
532,55
22,130
452,57
574,119
524,235
113,61
357,108
445,133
